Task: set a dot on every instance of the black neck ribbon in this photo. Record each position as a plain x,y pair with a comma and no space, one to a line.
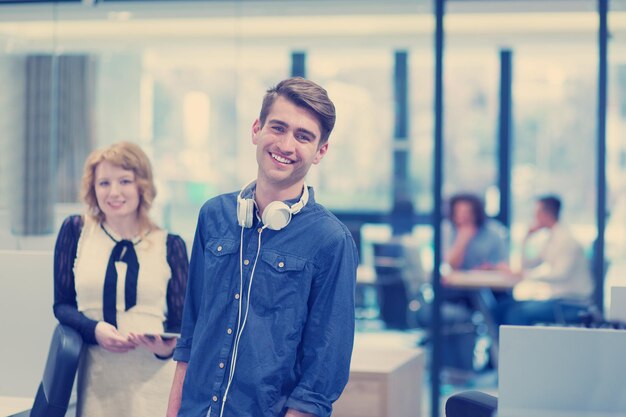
123,251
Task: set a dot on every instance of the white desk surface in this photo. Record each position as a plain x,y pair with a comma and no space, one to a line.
14,405
480,279
365,274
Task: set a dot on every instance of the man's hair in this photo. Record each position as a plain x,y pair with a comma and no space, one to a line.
125,155
303,93
551,204
477,205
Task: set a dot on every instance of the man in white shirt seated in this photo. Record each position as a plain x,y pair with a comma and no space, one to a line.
556,284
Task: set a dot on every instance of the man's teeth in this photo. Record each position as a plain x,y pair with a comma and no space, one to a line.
281,159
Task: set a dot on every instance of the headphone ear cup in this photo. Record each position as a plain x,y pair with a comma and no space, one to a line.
245,212
276,215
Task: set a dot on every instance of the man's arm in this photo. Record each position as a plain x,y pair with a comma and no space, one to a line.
190,314
328,334
457,251
295,413
176,393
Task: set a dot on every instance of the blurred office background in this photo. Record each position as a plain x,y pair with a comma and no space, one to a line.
185,80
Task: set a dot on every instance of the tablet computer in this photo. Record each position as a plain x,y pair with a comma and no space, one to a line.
164,335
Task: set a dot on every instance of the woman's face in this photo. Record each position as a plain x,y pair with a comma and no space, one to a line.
116,191
463,214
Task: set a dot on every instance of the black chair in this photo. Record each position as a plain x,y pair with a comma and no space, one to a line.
393,296
55,389
471,404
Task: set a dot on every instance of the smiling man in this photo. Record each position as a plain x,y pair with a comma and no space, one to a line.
268,323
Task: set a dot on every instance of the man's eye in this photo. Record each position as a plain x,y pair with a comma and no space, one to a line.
278,129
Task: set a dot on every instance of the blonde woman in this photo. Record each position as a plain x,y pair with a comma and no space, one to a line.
120,281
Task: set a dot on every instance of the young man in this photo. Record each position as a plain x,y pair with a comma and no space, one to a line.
558,282
268,323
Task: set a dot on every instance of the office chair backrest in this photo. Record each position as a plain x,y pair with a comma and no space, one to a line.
55,389
388,262
471,404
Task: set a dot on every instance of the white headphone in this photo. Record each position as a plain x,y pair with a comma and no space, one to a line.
276,215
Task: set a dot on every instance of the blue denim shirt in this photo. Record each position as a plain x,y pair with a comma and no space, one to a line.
296,345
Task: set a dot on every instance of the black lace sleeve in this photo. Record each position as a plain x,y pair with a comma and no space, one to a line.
65,307
179,264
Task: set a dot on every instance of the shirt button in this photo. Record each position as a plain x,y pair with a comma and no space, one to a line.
260,229
215,398
236,296
229,331
221,365
219,248
281,264
246,262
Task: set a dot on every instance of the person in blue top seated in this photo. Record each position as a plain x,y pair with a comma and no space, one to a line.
475,242
268,322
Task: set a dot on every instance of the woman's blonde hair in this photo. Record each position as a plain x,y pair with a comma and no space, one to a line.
128,156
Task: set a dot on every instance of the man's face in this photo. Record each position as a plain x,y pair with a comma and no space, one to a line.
542,217
287,144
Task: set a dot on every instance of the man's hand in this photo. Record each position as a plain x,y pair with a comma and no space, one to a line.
465,233
533,229
295,413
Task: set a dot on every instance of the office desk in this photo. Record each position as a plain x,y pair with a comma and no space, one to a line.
11,406
479,285
365,274
477,279
384,382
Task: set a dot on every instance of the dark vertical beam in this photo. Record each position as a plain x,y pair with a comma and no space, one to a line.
298,64
505,126
401,191
34,210
437,186
598,253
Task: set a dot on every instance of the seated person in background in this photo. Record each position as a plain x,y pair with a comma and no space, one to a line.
117,277
474,242
557,282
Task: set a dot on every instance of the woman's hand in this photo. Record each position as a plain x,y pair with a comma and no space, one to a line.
154,343
110,339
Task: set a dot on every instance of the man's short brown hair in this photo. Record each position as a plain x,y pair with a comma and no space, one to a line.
307,94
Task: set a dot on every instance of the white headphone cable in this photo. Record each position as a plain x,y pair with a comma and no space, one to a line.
240,324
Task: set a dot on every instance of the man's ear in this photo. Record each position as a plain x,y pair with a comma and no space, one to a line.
256,128
320,153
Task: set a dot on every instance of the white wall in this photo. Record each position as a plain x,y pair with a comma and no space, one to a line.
26,319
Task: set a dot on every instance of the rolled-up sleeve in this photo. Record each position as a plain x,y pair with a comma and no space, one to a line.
193,294
328,335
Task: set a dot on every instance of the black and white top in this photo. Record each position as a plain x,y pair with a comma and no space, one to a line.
85,253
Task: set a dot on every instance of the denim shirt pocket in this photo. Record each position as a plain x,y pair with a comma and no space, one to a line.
280,284
219,255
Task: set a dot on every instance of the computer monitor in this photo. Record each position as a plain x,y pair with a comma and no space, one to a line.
561,372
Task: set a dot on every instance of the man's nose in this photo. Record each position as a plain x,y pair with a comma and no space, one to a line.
286,143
